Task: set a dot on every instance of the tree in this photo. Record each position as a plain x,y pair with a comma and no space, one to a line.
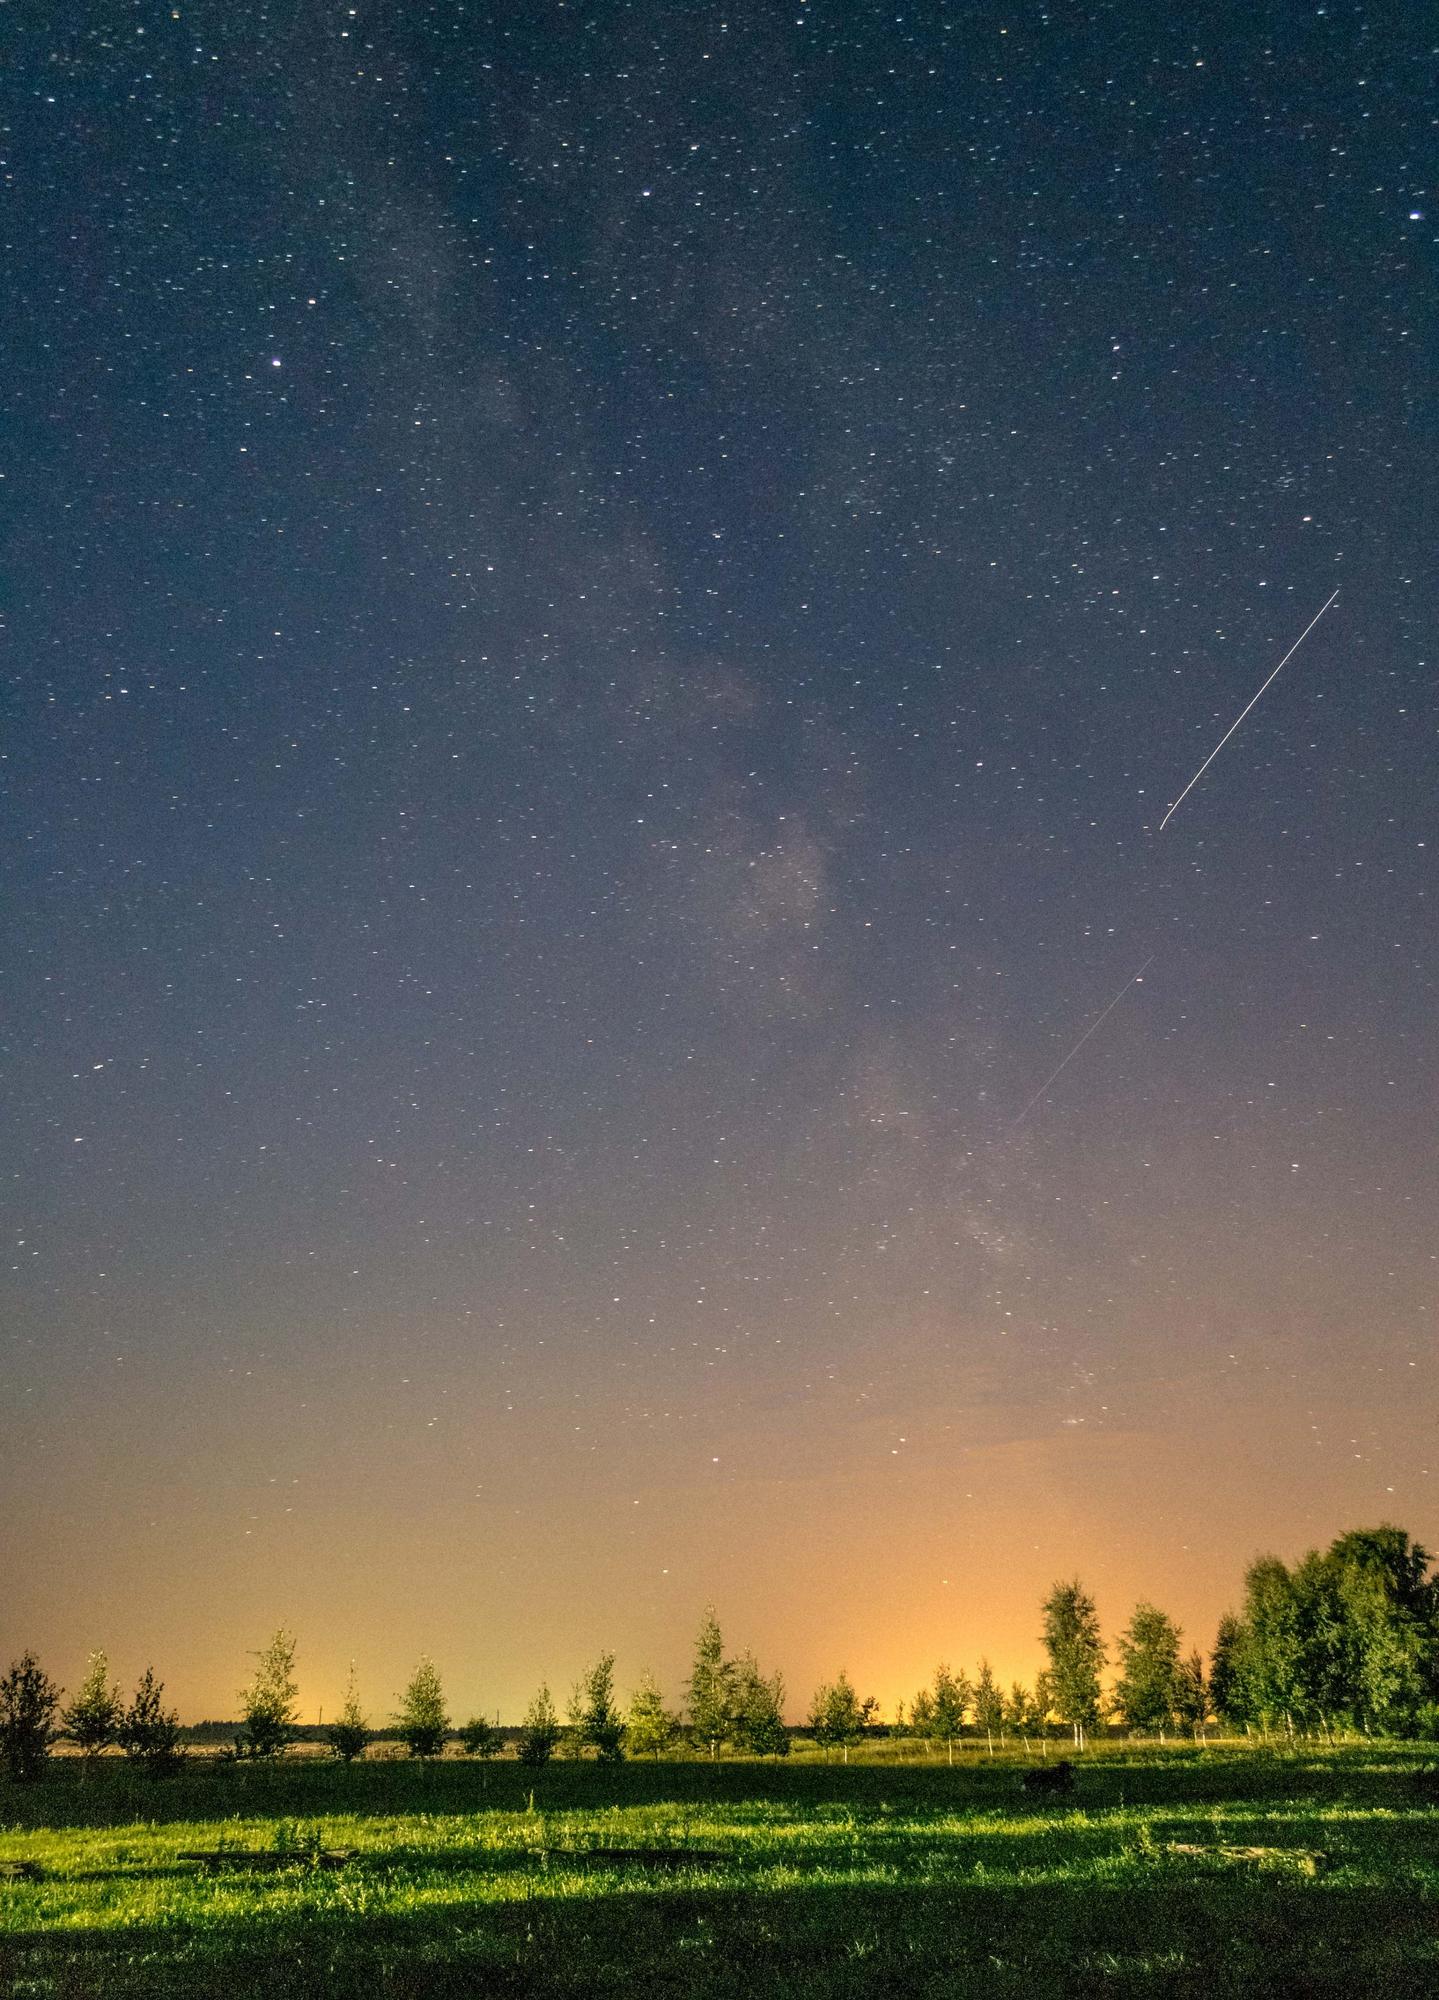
1324,1691
150,1733
267,1705
711,1692
1147,1687
1018,1711
817,1721
1389,1623
1270,1651
421,1717
351,1732
837,1716
540,1730
1043,1709
1404,1566
480,1738
92,1721
650,1727
948,1704
988,1704
1349,1636
757,1707
921,1719
572,1736
1226,1697
1076,1654
1191,1693
28,1700
601,1724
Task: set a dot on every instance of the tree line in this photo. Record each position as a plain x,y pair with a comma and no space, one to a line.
1345,1639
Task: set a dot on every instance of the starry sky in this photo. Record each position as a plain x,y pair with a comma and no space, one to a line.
603,604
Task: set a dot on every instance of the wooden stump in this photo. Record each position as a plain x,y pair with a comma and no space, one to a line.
1307,1860
638,1857
214,1859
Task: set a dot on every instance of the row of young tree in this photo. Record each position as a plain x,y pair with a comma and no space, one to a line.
1346,1639
729,1701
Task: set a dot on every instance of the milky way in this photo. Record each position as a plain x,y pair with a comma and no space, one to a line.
603,605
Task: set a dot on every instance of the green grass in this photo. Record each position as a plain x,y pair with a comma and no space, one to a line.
871,1879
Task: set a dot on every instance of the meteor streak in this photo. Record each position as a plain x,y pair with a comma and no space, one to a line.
1243,712
1093,1028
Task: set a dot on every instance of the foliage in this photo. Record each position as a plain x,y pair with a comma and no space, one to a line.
837,1716
1020,1712
1390,1621
602,1727
711,1687
150,1733
1147,1690
921,1718
1191,1692
1349,1636
1076,1654
350,1732
572,1735
758,1709
989,1710
92,1721
540,1730
1270,1649
268,1704
28,1700
480,1738
421,1716
1043,1710
949,1704
650,1727
1226,1697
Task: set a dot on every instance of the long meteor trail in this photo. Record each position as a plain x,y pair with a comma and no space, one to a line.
1093,1028
1243,712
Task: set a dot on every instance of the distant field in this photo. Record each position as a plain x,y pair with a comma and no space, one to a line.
871,1879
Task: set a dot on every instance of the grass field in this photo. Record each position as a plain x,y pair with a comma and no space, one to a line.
870,1879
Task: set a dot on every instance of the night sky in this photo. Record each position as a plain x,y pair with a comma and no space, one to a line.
603,606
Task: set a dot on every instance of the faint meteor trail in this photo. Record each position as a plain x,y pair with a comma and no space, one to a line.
1093,1027
1243,712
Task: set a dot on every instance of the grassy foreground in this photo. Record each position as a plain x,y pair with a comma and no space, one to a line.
868,1879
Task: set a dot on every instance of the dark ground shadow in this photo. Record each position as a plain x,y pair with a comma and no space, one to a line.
1191,1934
305,1788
